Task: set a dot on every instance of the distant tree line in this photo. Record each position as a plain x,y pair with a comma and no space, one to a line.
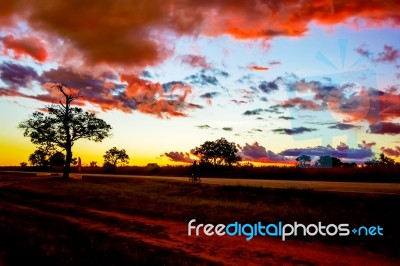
304,161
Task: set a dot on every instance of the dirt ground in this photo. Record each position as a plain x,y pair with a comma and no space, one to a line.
172,234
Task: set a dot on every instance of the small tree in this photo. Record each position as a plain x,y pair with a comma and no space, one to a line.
328,161
114,156
63,125
57,159
385,161
218,152
39,157
93,164
303,161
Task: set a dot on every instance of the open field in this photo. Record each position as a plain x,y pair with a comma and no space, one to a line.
341,174
123,221
348,187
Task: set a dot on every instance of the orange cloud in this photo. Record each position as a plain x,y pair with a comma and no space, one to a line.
151,99
258,153
259,68
29,46
178,157
128,32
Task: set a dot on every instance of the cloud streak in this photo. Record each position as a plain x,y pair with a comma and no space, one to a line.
258,153
293,131
341,151
181,157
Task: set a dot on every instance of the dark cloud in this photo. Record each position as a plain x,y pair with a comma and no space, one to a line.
221,73
254,112
204,126
84,81
271,86
363,51
210,95
272,63
238,101
395,152
343,126
301,104
169,86
366,145
293,131
258,153
268,86
178,157
385,128
388,55
146,74
227,128
16,75
275,109
286,117
195,106
342,152
246,79
202,79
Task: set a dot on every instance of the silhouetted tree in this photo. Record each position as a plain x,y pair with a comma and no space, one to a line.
93,164
23,164
349,165
303,161
382,161
385,161
57,159
372,163
328,161
218,152
63,125
39,157
114,156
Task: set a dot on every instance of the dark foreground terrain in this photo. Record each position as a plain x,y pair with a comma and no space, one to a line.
125,221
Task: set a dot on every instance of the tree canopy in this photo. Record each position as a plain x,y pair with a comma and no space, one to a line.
218,152
43,157
328,161
114,156
63,125
383,160
303,161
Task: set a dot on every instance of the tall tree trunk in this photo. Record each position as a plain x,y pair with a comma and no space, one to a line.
68,141
68,159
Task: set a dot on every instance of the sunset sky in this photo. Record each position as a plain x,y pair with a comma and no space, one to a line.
278,78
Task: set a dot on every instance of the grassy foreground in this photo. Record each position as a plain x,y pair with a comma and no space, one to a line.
33,227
